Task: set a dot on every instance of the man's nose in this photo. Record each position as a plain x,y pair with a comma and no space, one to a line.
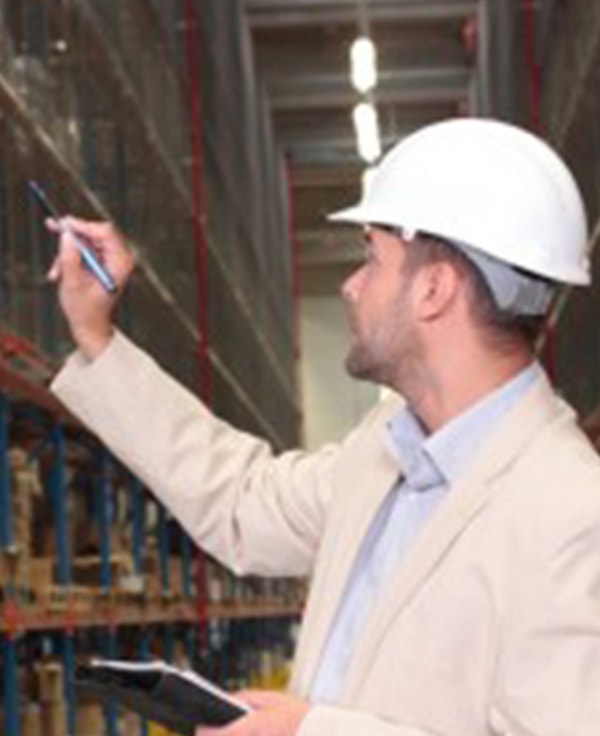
350,287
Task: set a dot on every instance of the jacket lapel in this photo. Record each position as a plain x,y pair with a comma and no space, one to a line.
464,502
340,549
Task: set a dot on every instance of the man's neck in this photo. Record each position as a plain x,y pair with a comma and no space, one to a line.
442,395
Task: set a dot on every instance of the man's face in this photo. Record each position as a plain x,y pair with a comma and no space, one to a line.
385,343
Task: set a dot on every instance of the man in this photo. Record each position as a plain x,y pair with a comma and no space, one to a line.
454,537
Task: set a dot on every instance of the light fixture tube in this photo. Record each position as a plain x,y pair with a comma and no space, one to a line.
363,64
367,179
366,125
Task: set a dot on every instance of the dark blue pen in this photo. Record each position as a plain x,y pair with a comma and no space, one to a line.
87,254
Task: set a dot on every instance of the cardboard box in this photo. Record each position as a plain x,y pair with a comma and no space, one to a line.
51,683
31,720
89,719
41,573
54,719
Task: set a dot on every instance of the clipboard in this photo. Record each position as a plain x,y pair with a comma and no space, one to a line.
181,700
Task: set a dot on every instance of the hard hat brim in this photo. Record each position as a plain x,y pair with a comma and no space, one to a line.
352,215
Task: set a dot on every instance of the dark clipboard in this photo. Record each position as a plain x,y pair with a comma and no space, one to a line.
180,700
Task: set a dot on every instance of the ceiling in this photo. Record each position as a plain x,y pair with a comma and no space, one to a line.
301,47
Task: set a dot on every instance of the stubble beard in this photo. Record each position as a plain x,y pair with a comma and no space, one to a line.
360,364
390,358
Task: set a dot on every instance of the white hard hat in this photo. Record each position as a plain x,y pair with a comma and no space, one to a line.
489,185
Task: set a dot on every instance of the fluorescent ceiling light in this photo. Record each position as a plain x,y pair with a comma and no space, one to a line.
367,179
366,125
363,64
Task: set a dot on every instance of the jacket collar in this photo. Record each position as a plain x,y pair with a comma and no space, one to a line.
532,415
538,410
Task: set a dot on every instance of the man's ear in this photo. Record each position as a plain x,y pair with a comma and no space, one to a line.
435,290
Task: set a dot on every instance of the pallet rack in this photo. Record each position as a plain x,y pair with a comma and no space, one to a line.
63,610
117,109
538,68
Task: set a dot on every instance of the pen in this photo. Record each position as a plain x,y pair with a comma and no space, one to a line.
88,256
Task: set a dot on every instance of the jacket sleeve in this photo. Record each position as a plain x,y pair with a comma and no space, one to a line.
256,512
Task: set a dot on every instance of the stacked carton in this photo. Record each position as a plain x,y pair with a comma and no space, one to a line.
51,690
89,719
26,491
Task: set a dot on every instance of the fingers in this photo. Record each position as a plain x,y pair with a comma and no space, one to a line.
52,224
66,263
108,244
71,268
275,714
101,234
261,698
54,272
100,237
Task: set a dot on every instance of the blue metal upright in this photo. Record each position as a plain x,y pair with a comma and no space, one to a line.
163,548
144,644
11,689
110,651
9,647
168,643
144,649
57,488
58,498
68,655
8,640
104,512
186,564
137,507
190,644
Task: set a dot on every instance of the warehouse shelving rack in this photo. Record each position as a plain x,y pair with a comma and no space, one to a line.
539,69
58,615
117,110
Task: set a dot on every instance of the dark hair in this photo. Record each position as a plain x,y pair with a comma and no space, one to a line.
501,327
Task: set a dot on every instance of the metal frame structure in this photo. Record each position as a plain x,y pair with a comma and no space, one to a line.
118,111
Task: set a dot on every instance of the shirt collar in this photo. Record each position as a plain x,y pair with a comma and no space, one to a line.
439,458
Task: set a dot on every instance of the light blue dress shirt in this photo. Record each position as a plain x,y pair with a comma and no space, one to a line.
431,465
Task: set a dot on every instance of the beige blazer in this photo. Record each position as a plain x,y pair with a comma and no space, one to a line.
492,623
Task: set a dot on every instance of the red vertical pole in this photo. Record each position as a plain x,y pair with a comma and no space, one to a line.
296,284
535,123
533,69
296,278
192,49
